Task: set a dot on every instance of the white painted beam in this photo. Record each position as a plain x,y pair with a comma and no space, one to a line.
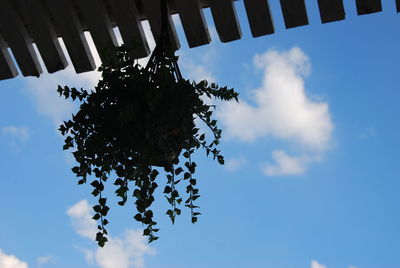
153,10
225,19
71,32
7,66
259,16
127,18
98,23
43,34
294,13
331,10
17,38
368,6
193,22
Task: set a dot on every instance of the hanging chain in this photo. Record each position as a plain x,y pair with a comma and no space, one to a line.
163,54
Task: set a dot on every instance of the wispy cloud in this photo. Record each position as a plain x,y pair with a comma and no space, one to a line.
81,218
11,261
315,264
196,72
285,164
21,134
120,252
234,164
282,109
44,260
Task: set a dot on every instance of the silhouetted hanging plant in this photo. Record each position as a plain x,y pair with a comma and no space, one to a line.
137,121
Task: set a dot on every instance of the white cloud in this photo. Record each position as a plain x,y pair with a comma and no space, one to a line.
81,217
315,264
19,133
285,164
120,252
196,72
10,261
124,252
234,164
281,109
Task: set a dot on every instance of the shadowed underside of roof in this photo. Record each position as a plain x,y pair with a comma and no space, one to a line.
24,22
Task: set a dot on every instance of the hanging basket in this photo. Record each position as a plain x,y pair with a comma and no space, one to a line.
137,119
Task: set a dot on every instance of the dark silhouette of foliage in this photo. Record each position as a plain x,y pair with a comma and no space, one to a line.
136,121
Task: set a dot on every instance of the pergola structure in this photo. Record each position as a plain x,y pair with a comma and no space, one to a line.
24,22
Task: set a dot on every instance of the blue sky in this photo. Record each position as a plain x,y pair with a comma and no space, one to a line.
312,174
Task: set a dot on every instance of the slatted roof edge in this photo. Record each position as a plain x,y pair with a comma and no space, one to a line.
24,22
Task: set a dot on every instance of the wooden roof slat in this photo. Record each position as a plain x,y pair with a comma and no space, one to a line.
7,66
153,10
127,18
17,38
72,34
43,35
259,16
225,19
24,22
98,24
331,10
193,22
368,6
294,13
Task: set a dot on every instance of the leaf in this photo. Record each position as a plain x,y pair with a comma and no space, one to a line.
102,201
118,182
97,208
220,159
178,171
95,192
138,217
154,238
104,211
170,212
186,176
95,184
202,137
75,170
175,193
167,189
177,211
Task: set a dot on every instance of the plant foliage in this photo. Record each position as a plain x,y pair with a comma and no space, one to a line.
137,123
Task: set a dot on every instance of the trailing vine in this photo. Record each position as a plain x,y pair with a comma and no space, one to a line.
138,122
